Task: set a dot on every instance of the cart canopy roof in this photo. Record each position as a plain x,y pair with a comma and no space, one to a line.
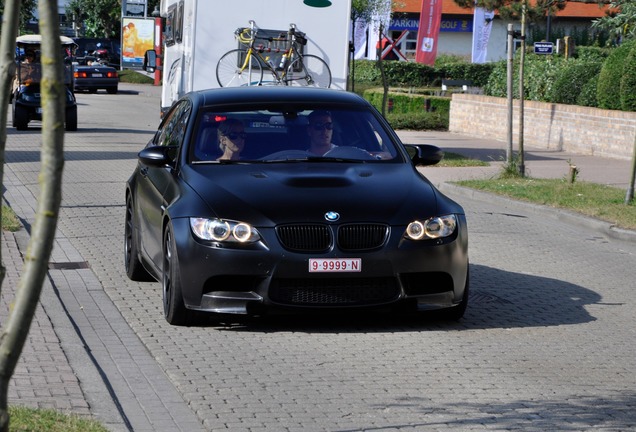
36,39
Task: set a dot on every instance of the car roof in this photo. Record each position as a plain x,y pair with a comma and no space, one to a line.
276,95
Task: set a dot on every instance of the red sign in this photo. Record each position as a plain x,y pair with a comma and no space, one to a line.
428,33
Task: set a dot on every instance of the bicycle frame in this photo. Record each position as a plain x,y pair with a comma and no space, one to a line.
290,53
245,66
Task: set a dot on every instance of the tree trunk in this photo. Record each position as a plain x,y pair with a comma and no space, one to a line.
385,84
16,328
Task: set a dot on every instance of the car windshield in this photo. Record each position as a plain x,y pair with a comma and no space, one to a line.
316,135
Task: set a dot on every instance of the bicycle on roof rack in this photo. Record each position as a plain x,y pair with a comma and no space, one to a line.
246,66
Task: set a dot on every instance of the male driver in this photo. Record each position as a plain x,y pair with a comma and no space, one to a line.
320,131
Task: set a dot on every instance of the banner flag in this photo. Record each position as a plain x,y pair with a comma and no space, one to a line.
428,33
367,34
482,25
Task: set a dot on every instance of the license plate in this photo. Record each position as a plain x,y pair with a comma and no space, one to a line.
97,75
335,265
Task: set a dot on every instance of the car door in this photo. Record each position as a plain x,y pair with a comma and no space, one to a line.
154,181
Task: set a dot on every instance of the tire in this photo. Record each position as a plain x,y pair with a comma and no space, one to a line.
229,74
20,117
308,71
174,309
112,90
71,119
134,268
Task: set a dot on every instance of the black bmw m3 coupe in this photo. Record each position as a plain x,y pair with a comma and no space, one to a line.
258,199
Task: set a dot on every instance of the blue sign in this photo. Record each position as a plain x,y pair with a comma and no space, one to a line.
447,25
543,47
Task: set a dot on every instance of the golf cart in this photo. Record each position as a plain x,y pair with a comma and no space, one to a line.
27,103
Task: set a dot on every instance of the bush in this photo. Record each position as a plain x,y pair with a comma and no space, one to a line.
497,85
475,72
398,73
571,79
547,78
592,53
540,74
628,82
365,71
408,103
419,121
410,74
409,111
587,97
608,88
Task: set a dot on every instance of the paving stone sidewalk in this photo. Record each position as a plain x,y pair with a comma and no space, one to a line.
55,359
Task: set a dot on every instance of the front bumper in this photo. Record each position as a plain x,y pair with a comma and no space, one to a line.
430,274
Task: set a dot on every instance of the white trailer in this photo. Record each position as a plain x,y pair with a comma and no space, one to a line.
198,32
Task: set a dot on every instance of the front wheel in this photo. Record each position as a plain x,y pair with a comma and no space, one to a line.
71,119
308,71
174,308
233,71
20,117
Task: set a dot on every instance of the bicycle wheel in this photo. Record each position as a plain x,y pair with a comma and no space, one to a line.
308,70
230,74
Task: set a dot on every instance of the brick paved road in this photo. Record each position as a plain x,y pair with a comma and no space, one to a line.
548,341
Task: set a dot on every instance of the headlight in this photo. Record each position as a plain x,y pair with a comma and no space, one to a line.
435,227
223,230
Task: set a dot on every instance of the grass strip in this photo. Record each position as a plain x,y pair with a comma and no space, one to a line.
599,201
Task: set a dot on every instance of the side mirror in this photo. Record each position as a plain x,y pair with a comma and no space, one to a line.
150,61
424,154
157,156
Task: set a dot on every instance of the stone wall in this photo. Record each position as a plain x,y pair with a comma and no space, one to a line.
572,128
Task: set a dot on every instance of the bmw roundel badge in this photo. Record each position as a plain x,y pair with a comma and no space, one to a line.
332,216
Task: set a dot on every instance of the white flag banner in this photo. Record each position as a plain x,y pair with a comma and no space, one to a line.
482,25
360,37
367,33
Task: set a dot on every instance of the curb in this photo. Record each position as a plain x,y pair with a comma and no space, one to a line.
602,227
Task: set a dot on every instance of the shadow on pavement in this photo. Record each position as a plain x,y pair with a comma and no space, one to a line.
499,299
574,413
18,156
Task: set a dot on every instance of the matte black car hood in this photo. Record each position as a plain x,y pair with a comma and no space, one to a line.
265,195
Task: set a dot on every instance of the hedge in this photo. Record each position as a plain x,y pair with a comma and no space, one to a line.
610,77
412,111
411,74
628,82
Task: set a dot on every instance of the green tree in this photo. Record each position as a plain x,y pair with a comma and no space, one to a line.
98,18
16,327
26,12
620,20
